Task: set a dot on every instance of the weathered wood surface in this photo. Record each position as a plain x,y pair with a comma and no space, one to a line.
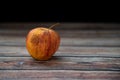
82,55
68,38
92,46
58,74
62,26
68,33
7,51
61,63
93,42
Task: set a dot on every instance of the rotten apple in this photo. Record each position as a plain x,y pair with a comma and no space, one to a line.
42,43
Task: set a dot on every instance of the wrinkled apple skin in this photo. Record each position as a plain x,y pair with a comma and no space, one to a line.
42,43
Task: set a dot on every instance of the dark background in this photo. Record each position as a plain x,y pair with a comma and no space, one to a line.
59,17
59,14
59,11
70,15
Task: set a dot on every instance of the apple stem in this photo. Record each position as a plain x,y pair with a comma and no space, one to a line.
54,25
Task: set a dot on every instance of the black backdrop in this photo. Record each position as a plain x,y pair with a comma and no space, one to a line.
59,18
58,14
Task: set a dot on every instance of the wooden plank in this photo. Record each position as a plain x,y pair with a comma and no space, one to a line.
60,63
106,42
35,78
90,42
7,51
62,26
68,33
58,74
89,33
68,38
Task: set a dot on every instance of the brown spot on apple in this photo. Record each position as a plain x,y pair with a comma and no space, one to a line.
36,40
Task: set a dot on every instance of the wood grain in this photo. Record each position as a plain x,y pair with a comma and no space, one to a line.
68,33
89,33
91,38
93,42
62,26
7,51
61,63
82,55
58,74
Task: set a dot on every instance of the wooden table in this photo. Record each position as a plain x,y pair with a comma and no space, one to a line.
82,55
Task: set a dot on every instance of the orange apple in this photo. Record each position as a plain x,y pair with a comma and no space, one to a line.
42,43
